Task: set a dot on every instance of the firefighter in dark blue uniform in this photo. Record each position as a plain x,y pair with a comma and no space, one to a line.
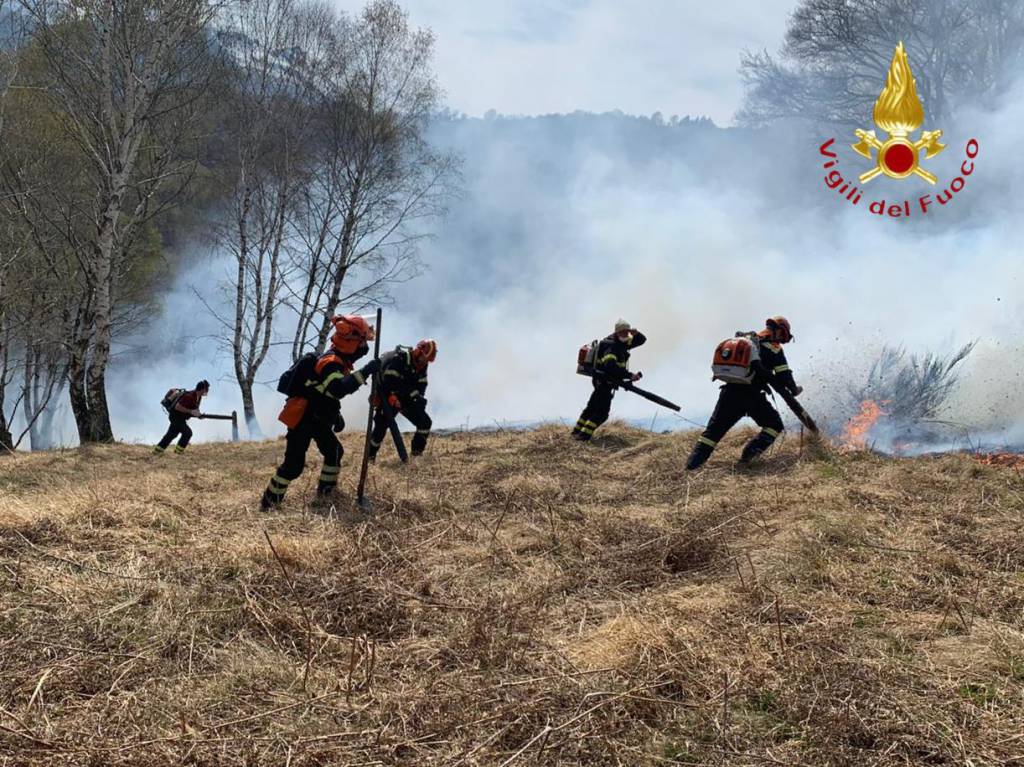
736,400
611,366
315,414
403,384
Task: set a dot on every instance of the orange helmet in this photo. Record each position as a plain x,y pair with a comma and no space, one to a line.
350,332
424,353
779,330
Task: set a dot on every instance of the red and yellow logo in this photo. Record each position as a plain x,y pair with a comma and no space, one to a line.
899,113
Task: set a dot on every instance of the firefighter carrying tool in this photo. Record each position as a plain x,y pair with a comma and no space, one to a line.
607,361
403,382
749,364
180,406
315,385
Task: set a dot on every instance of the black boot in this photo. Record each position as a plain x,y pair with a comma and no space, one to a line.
273,496
701,452
583,430
754,448
419,444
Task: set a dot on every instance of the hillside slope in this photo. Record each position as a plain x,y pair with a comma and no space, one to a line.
515,598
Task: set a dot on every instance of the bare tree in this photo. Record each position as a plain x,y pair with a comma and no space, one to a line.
277,53
28,348
8,255
836,53
44,359
10,249
123,76
34,301
376,179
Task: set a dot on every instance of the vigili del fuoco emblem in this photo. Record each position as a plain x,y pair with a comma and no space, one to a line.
899,112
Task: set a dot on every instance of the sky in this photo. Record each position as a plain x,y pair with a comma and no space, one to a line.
543,56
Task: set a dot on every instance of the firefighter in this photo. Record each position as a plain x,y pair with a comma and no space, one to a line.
403,382
314,415
185,407
736,400
611,366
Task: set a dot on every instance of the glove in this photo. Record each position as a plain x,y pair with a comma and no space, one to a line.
396,404
636,377
339,424
371,367
197,414
797,391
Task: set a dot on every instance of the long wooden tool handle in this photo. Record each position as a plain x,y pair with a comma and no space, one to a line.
798,410
361,491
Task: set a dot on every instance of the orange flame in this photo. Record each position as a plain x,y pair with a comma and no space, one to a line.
898,110
856,430
1009,460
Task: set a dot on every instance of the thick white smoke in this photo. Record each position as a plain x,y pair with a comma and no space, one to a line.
567,225
690,257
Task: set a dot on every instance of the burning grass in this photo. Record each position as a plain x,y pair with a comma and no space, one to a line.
1011,460
896,407
516,598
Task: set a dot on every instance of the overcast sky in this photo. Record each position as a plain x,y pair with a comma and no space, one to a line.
640,56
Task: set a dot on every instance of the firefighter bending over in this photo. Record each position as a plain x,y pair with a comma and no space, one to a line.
181,405
749,364
403,382
315,386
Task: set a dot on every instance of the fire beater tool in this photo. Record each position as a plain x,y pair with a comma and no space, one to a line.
798,410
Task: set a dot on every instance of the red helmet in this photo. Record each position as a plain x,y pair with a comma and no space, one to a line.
350,332
424,353
779,330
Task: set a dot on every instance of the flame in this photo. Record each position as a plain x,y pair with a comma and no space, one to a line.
898,110
1009,460
856,430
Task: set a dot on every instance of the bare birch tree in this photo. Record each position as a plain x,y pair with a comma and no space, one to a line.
48,288
114,70
377,179
277,52
9,254
10,249
30,353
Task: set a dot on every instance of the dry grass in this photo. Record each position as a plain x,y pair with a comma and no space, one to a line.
514,599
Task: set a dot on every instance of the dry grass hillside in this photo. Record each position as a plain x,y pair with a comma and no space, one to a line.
514,599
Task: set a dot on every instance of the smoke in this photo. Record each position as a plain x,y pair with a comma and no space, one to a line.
688,231
572,223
